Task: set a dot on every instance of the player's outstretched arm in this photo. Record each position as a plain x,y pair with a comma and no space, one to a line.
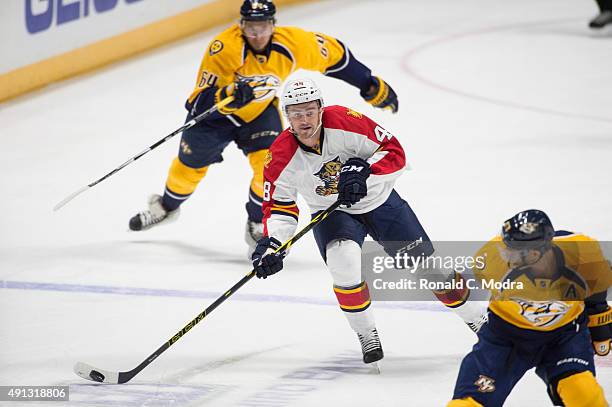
373,89
328,55
381,95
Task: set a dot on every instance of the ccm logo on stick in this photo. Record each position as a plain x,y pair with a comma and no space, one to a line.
39,13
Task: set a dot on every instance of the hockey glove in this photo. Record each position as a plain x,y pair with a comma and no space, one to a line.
265,261
600,326
352,184
478,322
242,93
381,95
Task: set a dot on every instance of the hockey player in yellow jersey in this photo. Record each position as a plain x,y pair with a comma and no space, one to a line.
549,312
249,61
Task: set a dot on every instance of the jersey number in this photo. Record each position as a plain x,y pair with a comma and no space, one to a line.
322,48
382,134
266,191
209,79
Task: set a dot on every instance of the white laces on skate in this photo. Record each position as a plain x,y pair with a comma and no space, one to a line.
148,218
370,341
155,215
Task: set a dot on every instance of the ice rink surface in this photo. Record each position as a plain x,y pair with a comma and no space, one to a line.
504,106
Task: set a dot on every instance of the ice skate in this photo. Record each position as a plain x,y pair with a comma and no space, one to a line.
602,20
253,231
371,348
155,215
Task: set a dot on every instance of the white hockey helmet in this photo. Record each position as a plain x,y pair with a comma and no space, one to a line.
300,91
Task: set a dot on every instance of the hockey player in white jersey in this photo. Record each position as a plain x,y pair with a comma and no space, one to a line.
334,153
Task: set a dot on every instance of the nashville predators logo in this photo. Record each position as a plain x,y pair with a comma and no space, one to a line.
185,147
485,384
542,313
351,112
268,159
215,47
270,82
256,5
528,228
329,174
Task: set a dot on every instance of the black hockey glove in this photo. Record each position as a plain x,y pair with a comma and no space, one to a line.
600,326
242,93
352,184
265,261
381,95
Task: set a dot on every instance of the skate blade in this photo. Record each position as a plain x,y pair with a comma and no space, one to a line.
374,367
603,32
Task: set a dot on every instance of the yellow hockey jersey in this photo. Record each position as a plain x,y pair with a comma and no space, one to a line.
229,58
543,304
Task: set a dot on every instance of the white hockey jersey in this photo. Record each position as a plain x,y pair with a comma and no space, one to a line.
292,168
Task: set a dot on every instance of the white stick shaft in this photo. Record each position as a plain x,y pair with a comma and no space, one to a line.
70,197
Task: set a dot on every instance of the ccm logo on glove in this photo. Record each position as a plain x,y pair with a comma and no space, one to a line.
352,168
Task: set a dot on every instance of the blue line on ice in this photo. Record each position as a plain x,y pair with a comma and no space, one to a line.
158,292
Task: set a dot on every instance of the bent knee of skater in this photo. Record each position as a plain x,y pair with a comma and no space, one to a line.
581,390
344,261
467,402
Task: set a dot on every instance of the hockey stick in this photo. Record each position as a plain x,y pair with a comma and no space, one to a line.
184,127
105,376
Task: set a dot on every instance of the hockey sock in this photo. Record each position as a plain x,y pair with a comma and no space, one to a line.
253,205
182,181
581,390
467,402
355,301
344,264
604,5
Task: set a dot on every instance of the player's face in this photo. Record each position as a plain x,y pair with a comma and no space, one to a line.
304,119
520,258
257,33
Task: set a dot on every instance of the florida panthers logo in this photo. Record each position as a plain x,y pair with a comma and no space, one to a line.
542,313
351,112
329,174
270,82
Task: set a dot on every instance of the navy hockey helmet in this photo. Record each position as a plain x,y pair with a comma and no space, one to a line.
257,10
528,230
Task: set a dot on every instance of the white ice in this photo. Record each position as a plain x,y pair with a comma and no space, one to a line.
504,106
